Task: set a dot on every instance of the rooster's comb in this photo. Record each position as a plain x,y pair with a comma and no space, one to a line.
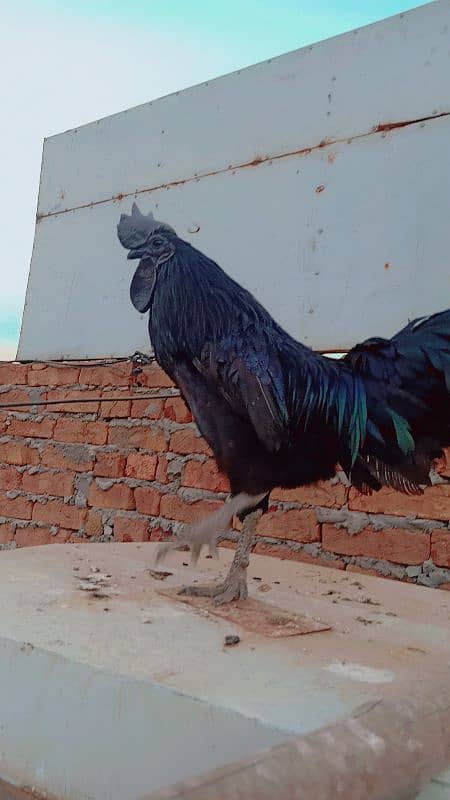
134,229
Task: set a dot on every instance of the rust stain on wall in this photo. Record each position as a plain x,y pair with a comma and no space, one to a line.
257,161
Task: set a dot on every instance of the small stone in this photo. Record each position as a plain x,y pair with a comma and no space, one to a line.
158,575
231,640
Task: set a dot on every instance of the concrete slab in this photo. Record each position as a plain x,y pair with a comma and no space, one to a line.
114,692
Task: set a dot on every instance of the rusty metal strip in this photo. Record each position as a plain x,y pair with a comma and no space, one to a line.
256,162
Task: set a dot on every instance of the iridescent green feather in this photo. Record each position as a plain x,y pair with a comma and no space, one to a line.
403,433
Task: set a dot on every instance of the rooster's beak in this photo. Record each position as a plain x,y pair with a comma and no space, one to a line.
137,252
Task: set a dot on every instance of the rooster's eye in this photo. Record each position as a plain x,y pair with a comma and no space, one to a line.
158,242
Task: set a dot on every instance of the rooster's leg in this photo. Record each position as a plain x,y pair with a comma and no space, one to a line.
209,530
234,587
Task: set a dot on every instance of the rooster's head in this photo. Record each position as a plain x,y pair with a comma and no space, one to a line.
153,243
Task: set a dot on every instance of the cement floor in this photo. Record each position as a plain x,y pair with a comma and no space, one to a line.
109,689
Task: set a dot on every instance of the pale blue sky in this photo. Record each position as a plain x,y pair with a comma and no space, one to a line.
67,63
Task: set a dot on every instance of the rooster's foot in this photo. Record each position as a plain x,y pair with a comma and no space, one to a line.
234,587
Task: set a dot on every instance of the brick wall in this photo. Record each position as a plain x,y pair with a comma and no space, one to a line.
134,469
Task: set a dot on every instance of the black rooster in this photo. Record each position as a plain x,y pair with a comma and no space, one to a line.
274,412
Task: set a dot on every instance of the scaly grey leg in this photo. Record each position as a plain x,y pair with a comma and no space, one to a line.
234,587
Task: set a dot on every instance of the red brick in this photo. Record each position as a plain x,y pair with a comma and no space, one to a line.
64,536
154,377
19,454
433,504
131,530
76,458
147,500
58,484
6,533
73,408
55,512
93,525
10,478
161,471
110,465
143,437
39,429
12,374
188,441
174,507
440,548
156,440
286,553
158,535
4,422
394,544
443,465
299,525
115,408
151,409
53,376
322,493
34,537
37,365
112,375
141,466
205,476
18,396
119,495
18,507
176,409
80,431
